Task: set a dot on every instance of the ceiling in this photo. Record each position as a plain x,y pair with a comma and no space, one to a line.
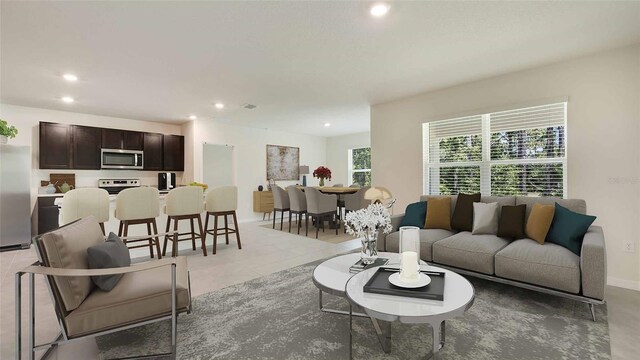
301,63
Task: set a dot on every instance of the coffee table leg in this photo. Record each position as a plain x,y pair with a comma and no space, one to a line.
438,339
384,334
350,332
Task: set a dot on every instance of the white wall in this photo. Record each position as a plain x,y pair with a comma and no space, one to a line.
603,137
338,154
250,155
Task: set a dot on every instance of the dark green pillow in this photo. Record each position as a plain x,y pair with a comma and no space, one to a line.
415,214
512,220
568,228
462,219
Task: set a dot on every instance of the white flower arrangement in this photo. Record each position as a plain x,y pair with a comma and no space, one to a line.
370,219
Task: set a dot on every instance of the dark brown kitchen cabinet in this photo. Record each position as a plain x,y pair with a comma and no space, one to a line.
55,146
86,147
122,139
173,150
153,151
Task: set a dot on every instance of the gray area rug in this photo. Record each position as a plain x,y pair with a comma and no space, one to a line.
277,317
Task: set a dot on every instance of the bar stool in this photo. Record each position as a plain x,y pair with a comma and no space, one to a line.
184,203
221,201
139,206
79,203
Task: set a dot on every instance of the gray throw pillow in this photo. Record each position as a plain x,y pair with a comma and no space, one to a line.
110,254
485,218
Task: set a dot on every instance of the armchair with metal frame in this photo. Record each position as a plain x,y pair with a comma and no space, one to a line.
146,293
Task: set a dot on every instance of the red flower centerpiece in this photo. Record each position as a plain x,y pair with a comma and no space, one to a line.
322,172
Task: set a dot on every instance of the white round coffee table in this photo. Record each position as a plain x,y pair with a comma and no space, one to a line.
458,298
332,275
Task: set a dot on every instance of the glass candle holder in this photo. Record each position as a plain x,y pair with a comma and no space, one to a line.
410,240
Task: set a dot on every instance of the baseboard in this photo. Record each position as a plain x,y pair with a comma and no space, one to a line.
623,283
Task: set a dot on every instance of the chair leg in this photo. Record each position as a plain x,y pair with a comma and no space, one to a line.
164,246
125,232
299,222
102,228
289,221
202,236
235,222
226,229
215,232
318,226
336,222
174,248
120,229
281,219
150,240
307,226
193,235
274,218
155,231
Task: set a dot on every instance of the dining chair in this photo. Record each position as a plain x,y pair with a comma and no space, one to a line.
79,203
222,201
354,185
356,201
280,203
298,205
139,206
338,185
184,203
319,207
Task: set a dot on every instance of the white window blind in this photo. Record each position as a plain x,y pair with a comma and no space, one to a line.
514,152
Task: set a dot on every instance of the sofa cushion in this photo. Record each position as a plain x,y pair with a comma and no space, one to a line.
415,214
427,238
568,228
577,205
66,247
539,222
549,265
471,252
110,254
454,199
438,213
137,296
511,224
485,218
462,219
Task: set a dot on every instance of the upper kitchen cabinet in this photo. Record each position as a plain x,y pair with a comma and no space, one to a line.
122,139
55,146
153,151
86,147
173,150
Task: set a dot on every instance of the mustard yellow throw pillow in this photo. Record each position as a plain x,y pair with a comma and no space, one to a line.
539,222
439,213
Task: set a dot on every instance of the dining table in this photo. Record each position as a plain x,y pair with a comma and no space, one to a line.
337,190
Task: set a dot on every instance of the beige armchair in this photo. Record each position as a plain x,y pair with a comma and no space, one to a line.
147,292
319,207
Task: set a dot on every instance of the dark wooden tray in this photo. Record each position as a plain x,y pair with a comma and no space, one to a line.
379,284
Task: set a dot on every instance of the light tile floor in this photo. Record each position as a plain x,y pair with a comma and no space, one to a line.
264,251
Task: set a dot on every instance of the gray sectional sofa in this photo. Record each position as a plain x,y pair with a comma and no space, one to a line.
548,268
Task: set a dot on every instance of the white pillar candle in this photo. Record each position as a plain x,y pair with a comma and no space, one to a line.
410,240
409,266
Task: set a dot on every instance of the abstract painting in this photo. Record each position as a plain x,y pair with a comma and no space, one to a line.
283,162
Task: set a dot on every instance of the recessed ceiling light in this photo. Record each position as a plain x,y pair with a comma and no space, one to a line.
379,10
327,124
219,106
70,77
67,99
192,117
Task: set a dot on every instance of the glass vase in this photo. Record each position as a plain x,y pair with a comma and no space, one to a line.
369,251
321,182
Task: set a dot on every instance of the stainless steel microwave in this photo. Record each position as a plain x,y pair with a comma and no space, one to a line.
122,159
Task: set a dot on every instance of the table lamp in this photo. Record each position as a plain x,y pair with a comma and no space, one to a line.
378,193
304,170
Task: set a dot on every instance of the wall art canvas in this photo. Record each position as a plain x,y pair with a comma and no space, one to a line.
283,162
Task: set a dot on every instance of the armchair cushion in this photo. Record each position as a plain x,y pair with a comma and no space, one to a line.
110,254
137,296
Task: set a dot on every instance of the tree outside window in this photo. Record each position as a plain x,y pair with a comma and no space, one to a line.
360,166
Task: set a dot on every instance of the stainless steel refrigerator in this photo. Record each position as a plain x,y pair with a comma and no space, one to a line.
15,197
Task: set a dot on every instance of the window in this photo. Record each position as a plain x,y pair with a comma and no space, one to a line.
515,152
360,166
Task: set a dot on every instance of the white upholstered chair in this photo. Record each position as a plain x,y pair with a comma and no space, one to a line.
79,203
356,201
184,203
222,201
280,203
139,206
319,207
298,205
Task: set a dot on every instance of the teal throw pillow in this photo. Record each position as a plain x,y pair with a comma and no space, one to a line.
415,214
568,228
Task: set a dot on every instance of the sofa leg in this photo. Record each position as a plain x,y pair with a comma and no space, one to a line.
592,308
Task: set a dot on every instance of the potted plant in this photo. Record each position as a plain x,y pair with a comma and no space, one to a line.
322,172
366,224
7,132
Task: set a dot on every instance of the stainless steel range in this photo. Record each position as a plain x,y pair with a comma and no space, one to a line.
114,186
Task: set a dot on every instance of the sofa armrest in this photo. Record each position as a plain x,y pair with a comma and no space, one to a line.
396,220
593,263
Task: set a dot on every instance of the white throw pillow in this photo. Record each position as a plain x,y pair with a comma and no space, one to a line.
485,218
